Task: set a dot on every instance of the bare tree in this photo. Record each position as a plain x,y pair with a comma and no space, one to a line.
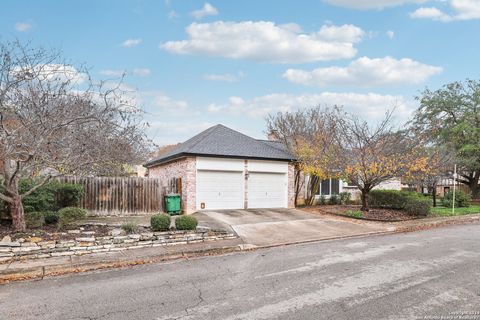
439,161
310,135
54,120
374,154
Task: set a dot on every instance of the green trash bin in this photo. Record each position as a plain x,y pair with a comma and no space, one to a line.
173,204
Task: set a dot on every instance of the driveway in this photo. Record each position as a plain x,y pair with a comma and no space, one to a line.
265,227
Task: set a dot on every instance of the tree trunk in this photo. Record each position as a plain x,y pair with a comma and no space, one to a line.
365,198
18,215
434,196
474,187
297,184
313,187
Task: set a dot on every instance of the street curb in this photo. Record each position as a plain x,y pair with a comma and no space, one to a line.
42,272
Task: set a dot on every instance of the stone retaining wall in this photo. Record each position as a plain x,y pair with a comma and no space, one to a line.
85,244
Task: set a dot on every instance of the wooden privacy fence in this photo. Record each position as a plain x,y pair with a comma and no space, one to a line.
119,195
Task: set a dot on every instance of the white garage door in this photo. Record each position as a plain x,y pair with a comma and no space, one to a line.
267,190
220,189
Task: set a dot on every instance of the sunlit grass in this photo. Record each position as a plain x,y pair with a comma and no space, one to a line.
446,212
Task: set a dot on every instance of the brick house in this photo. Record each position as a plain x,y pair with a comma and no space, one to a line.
221,168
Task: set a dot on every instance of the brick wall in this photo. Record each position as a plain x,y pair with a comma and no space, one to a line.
291,185
185,169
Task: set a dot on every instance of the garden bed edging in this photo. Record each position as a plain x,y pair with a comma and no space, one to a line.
35,248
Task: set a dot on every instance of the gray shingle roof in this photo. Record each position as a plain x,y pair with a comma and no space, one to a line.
225,142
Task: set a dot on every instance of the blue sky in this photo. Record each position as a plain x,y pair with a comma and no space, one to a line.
192,64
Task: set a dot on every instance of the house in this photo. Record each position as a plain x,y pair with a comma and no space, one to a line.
332,187
221,168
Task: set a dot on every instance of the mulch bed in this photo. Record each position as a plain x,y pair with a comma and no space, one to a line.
374,214
48,233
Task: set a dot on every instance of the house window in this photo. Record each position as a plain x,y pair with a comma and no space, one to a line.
325,187
335,186
329,187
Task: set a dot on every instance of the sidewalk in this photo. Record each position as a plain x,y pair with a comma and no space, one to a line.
41,268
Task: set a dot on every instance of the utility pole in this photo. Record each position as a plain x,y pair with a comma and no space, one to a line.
454,188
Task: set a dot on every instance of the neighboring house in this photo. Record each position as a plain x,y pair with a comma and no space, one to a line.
221,168
330,187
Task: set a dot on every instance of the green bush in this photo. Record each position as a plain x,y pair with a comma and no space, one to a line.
391,199
345,197
354,214
50,197
43,199
419,207
323,200
51,217
130,227
334,199
70,214
462,199
160,222
68,194
186,223
34,220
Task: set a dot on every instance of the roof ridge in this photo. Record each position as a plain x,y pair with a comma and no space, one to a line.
210,130
221,140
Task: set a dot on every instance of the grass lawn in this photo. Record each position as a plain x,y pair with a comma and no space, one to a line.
446,212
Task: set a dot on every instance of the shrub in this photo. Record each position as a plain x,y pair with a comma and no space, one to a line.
334,199
34,220
50,197
345,197
419,207
186,223
323,200
160,222
51,217
43,199
129,227
70,214
462,199
68,195
354,214
412,202
391,199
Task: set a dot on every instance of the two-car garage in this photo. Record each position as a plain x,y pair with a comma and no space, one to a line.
221,168
240,184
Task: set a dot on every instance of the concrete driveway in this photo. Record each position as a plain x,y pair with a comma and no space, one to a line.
264,227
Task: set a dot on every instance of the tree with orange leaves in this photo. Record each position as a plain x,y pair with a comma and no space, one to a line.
371,155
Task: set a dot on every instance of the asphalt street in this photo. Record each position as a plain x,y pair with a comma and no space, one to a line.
422,275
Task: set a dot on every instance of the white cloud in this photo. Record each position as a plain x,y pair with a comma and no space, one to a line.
370,4
112,73
371,106
430,13
52,72
22,26
165,102
207,10
226,77
131,43
460,10
141,72
366,72
390,34
265,41
170,132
